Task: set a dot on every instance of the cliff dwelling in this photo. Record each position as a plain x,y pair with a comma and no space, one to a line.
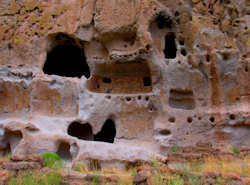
121,81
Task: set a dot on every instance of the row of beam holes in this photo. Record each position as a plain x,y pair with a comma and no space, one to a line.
128,99
84,131
190,119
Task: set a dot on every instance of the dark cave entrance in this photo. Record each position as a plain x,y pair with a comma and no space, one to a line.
107,133
66,58
170,46
81,131
64,151
163,21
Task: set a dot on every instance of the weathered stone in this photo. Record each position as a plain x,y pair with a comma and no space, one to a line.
139,179
162,75
4,176
20,165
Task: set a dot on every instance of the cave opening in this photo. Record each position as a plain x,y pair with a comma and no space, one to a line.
163,22
81,131
107,133
121,78
64,151
66,59
147,81
170,46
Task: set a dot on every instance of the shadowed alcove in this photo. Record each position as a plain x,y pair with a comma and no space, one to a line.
170,46
121,77
107,133
66,58
81,131
64,151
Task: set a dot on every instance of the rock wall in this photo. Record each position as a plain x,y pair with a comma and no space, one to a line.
141,75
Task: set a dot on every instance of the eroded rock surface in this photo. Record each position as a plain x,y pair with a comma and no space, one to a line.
142,75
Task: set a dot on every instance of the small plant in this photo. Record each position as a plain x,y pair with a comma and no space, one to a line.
192,179
158,179
12,181
155,163
174,149
81,167
235,150
95,180
52,160
176,180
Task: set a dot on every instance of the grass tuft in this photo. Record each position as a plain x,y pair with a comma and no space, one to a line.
52,160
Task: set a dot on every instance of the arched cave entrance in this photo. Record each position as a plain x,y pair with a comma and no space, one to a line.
170,46
107,133
81,131
64,151
66,58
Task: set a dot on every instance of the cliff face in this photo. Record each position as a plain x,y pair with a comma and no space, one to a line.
145,75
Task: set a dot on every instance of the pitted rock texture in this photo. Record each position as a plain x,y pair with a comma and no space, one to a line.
141,75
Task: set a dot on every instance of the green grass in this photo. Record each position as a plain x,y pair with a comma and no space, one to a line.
235,150
52,160
176,180
36,178
155,163
174,149
95,180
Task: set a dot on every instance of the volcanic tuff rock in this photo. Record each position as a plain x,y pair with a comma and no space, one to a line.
142,75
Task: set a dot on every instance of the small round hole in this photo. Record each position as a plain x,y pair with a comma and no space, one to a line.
199,118
183,52
97,86
139,98
164,132
189,120
147,98
212,119
246,69
108,97
181,42
207,58
232,116
128,99
171,119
